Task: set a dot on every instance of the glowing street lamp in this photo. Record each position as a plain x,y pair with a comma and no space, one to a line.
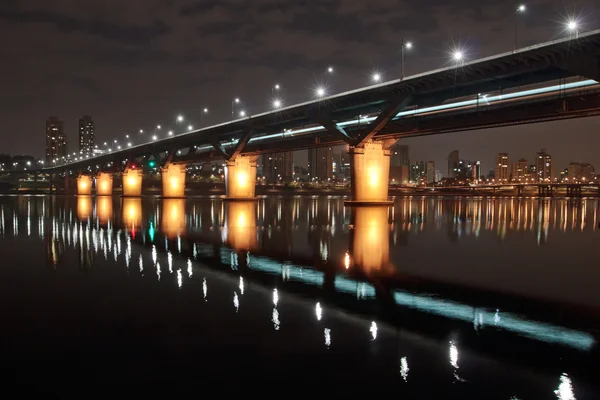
180,118
404,46
170,133
242,113
330,70
276,103
204,111
458,56
141,131
520,10
190,127
572,26
154,137
376,77
233,103
320,91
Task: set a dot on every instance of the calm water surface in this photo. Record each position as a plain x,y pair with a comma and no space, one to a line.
430,298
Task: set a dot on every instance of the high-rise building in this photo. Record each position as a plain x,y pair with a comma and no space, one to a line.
453,164
56,141
580,172
501,170
320,164
520,170
399,164
278,167
87,136
543,166
476,170
430,171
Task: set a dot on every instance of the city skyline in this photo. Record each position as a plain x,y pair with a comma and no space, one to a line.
121,90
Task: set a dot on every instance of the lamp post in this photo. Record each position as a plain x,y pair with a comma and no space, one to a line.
405,46
572,27
233,103
204,111
520,10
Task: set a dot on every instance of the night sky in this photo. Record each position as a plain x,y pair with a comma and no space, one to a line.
132,64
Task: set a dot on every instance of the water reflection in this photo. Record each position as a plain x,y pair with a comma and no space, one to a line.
370,243
173,217
240,226
132,213
84,207
104,209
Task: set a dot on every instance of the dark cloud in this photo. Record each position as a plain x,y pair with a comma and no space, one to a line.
133,64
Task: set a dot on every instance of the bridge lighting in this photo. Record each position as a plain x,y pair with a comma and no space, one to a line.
276,103
180,118
129,144
141,131
457,55
376,77
118,147
573,27
276,87
158,126
106,144
126,136
330,70
408,45
205,110
152,163
154,137
236,100
242,113
320,91
115,140
521,8
170,133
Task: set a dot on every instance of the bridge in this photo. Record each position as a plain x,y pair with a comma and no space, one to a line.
549,81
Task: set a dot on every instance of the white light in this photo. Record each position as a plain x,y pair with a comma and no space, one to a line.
106,144
572,25
521,8
126,136
190,127
129,144
180,118
242,113
458,55
141,131
119,147
170,133
276,86
408,45
320,91
205,110
154,137
330,69
157,126
237,100
276,103
376,77
115,140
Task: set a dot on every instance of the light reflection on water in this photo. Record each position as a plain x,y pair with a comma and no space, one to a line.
286,237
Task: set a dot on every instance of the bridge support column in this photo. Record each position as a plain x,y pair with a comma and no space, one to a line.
173,180
84,185
104,184
370,173
132,182
240,178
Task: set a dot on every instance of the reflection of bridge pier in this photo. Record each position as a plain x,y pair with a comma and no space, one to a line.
240,224
370,241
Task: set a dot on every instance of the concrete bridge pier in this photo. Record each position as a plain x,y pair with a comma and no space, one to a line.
84,185
370,173
240,178
132,182
173,180
104,184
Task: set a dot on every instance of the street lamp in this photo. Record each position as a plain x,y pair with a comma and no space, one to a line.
573,27
154,137
141,131
520,10
242,113
170,133
330,70
233,103
458,56
404,46
320,91
204,111
376,77
190,127
276,103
